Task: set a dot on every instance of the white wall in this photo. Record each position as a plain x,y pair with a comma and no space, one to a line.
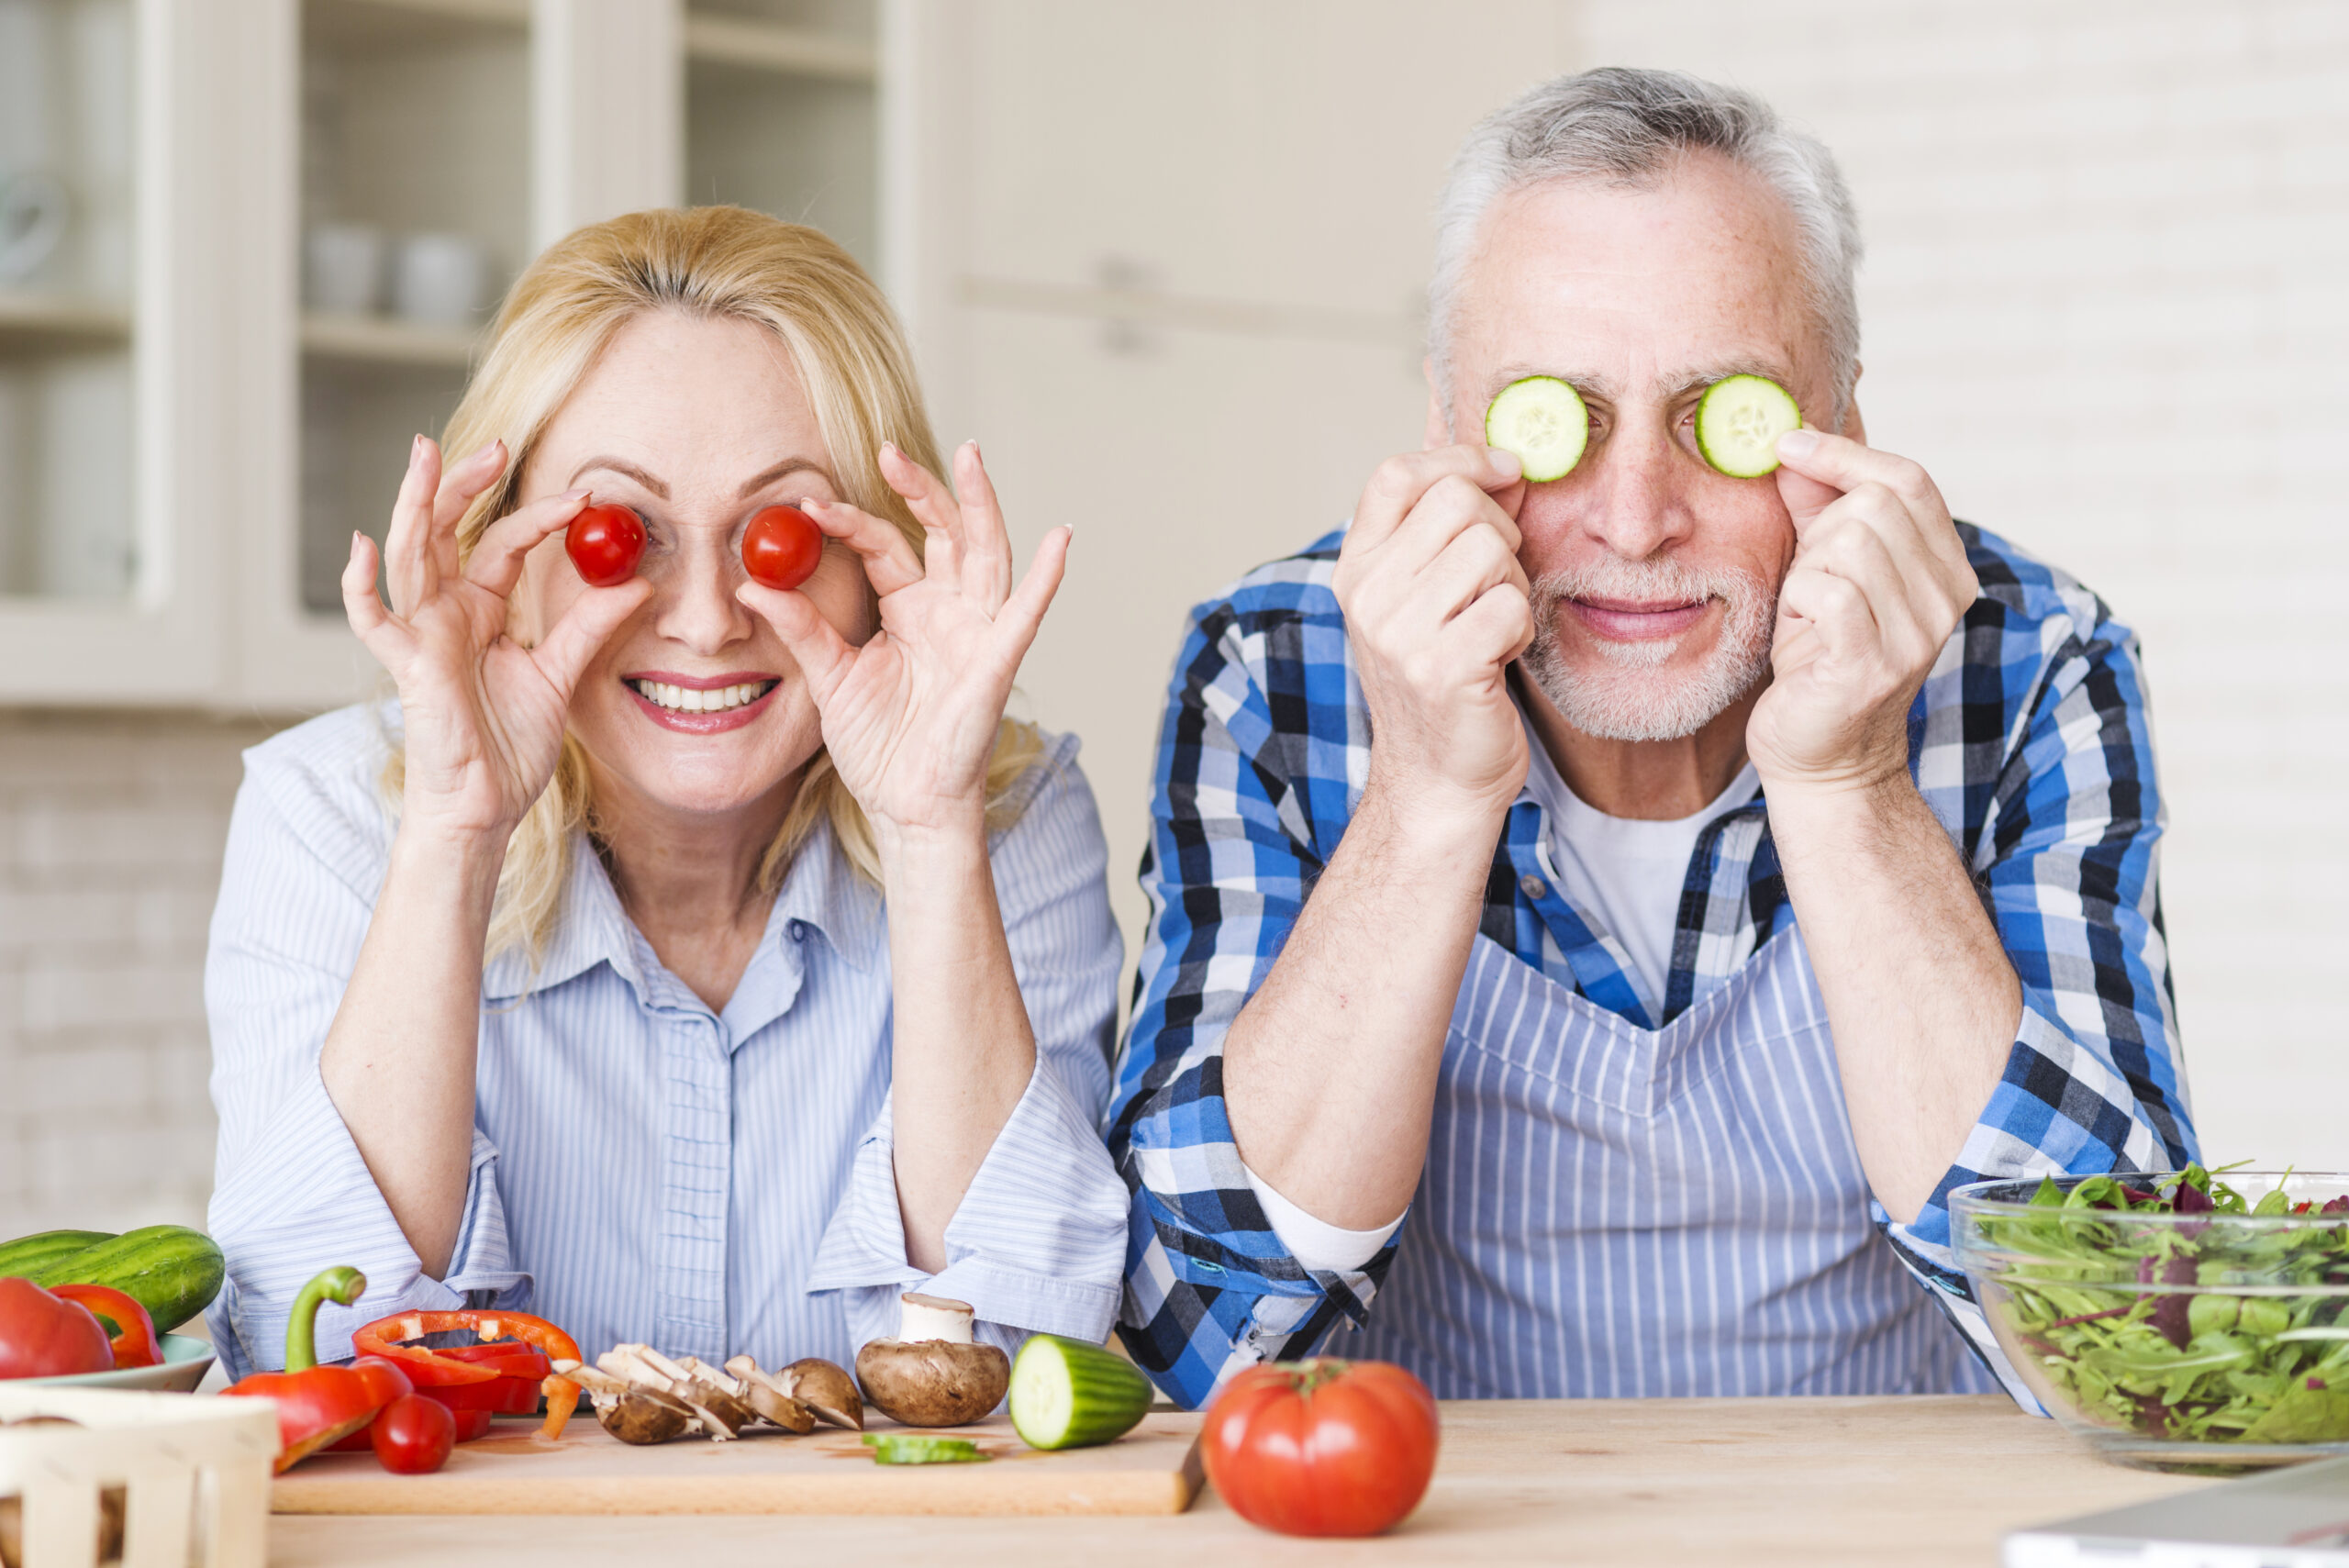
2104,304
1254,182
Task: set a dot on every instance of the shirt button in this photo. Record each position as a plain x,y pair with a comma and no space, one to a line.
1533,886
798,929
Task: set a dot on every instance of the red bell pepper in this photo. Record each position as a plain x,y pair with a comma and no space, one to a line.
317,1404
521,1373
133,1340
42,1335
440,1372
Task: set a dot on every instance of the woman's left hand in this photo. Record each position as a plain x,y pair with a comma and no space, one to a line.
909,718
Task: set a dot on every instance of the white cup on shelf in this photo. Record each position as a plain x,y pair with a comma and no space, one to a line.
439,280
343,274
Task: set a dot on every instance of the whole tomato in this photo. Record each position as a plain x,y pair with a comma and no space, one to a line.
41,1336
413,1435
1321,1446
605,543
781,547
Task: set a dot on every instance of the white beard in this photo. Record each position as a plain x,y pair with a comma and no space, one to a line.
1626,696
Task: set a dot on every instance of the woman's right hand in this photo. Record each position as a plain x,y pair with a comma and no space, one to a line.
483,713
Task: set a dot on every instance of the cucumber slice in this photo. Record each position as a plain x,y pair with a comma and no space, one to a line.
1542,420
1067,1394
1739,421
907,1448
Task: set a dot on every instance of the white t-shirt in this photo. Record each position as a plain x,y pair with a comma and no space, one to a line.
1624,876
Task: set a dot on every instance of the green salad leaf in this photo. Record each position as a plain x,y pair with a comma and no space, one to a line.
2192,1332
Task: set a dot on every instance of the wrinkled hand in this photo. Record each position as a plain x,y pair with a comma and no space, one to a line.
483,714
1436,605
1878,581
910,716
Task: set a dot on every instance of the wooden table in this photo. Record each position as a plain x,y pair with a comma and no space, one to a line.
1916,1481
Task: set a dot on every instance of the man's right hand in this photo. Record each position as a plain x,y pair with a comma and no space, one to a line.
1436,607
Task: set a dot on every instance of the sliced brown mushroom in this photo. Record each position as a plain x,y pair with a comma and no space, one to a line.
631,1411
826,1389
714,1396
639,1416
764,1393
932,1373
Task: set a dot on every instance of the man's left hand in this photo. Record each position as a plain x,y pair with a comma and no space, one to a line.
1878,581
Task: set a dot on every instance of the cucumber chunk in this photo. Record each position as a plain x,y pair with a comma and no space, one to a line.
1739,421
1542,420
1067,1394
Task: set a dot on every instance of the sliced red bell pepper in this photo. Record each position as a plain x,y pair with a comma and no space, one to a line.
133,1338
434,1370
317,1404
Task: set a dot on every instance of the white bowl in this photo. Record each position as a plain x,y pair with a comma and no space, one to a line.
185,1360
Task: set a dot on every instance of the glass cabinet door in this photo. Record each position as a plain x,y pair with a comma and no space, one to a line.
781,112
68,444
415,214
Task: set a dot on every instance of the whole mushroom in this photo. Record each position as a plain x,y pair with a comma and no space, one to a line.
932,1373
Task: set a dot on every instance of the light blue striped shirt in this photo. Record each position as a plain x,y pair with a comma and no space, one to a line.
644,1169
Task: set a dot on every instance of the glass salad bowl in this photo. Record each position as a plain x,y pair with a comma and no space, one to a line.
2179,1320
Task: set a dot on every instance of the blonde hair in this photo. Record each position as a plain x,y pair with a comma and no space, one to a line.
851,356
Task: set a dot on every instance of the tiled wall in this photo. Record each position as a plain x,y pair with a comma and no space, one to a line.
2104,305
110,835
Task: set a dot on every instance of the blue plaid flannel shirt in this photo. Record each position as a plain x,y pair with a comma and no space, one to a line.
2029,741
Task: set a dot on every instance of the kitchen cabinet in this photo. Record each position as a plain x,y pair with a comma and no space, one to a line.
249,247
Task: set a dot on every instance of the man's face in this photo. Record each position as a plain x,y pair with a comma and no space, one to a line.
1654,576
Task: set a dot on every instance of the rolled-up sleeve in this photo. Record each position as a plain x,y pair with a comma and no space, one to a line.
1212,1287
1037,1244
291,1194
2065,857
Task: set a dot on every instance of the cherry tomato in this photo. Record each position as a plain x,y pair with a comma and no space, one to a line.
1321,1446
413,1435
605,543
781,547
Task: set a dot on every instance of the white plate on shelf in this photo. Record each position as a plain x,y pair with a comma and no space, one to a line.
185,1360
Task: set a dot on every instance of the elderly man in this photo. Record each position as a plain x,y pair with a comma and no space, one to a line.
1666,887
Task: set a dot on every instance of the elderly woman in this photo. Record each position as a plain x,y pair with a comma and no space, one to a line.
685,961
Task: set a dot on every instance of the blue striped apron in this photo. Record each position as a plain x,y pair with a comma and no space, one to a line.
1609,1210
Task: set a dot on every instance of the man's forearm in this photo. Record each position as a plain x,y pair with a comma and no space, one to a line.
1923,997
1330,1070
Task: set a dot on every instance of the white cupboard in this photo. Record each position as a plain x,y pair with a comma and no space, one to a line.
247,248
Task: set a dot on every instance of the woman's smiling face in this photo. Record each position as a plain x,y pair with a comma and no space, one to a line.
696,425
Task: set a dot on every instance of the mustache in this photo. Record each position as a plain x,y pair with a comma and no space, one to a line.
1656,579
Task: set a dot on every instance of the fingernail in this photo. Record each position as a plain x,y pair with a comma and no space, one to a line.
1798,444
1505,463
573,495
414,447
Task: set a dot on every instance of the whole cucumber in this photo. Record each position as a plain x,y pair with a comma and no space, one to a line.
21,1258
171,1271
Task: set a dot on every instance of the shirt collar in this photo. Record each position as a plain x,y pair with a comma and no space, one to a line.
821,891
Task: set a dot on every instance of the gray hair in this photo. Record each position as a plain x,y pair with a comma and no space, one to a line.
1625,127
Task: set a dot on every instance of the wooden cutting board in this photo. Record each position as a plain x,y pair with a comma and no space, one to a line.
1154,1469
